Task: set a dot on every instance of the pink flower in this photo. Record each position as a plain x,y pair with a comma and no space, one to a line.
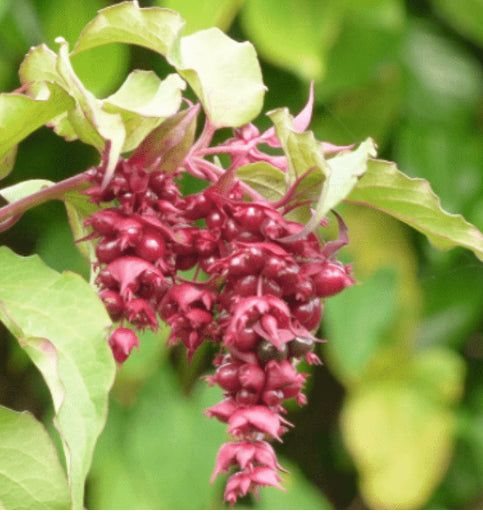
245,455
239,484
256,418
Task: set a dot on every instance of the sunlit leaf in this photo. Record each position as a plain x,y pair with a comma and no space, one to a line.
100,70
31,476
22,189
144,101
20,115
345,170
303,151
152,27
264,178
224,74
60,323
400,431
412,201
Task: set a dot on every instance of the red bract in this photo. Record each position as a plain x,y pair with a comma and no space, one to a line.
122,341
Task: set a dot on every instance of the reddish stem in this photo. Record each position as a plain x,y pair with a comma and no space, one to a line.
11,213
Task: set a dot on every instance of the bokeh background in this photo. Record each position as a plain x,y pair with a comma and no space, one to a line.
395,414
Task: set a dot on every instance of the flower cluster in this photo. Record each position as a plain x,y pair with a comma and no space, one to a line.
259,299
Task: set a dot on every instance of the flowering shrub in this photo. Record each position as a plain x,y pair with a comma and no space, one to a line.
253,238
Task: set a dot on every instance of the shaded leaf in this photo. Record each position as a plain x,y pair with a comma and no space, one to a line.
167,442
466,16
224,74
31,476
7,161
144,101
60,323
301,493
412,201
203,15
354,343
292,34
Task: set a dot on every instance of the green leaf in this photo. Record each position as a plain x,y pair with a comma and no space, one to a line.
412,201
87,120
144,101
301,494
354,342
92,124
302,150
264,178
151,27
78,210
224,74
100,70
24,189
345,170
203,15
60,323
31,476
466,16
400,431
7,161
21,115
292,34
169,450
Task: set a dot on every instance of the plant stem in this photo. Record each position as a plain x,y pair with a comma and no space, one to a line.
10,213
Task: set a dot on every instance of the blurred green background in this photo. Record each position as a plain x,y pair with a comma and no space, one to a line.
395,414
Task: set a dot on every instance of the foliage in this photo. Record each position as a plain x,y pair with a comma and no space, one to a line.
403,344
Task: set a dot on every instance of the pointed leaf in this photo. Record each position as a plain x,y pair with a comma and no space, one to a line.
224,74
31,476
144,101
264,178
302,150
345,170
412,201
60,323
151,27
166,146
20,115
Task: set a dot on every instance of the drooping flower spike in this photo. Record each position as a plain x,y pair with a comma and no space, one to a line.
256,290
